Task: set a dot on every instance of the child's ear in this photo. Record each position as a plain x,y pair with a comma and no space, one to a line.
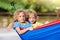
15,20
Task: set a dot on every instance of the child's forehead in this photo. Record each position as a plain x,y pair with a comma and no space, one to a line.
21,13
31,14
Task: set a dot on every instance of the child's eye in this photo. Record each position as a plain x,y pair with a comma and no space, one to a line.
23,16
34,17
19,16
30,17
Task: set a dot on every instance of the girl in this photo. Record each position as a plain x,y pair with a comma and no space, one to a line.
32,18
21,26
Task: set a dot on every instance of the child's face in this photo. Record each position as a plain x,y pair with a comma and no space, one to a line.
21,17
32,18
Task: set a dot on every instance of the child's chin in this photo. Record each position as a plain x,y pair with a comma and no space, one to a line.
32,23
22,21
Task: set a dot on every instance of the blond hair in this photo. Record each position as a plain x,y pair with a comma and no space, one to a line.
32,12
16,13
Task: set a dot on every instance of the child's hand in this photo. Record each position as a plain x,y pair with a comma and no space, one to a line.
30,28
46,22
8,28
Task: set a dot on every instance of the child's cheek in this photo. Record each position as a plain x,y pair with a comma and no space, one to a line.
29,20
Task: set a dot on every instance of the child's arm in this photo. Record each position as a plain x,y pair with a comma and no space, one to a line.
10,26
37,25
22,31
46,22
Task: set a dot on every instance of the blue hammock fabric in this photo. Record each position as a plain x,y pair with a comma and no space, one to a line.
50,32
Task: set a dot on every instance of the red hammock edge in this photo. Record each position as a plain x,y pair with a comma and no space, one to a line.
48,24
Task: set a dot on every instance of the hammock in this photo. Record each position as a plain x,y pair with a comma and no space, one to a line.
50,31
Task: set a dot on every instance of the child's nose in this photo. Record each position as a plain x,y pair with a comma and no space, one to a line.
31,19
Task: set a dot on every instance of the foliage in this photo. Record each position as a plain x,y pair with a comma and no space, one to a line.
37,5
